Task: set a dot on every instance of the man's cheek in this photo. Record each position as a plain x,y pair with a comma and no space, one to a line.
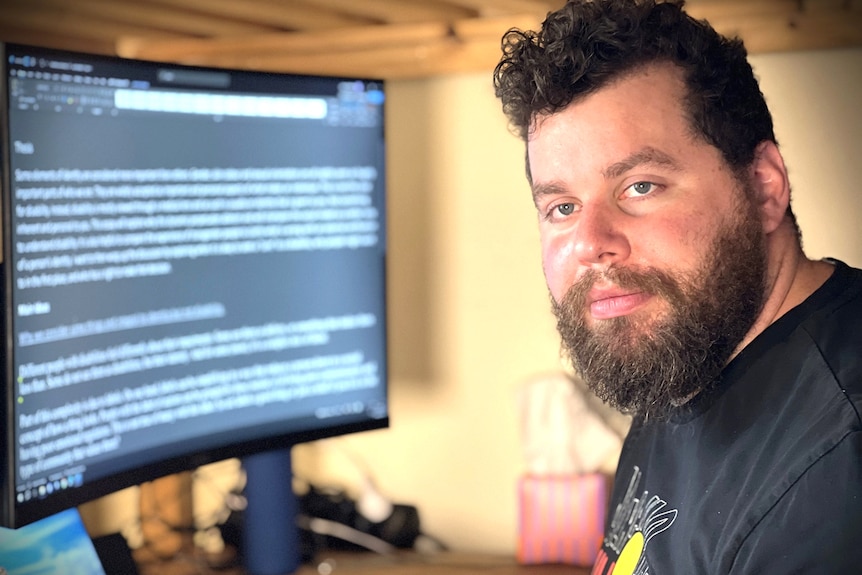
560,268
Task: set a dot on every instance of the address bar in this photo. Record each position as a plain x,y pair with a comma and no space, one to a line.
221,104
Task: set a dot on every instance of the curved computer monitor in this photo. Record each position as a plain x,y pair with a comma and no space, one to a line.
193,269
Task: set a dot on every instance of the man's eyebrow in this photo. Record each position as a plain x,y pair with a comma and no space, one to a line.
647,155
546,189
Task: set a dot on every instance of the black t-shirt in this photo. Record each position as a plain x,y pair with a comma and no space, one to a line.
762,473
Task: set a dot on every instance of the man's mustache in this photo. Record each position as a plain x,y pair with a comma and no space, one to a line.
650,280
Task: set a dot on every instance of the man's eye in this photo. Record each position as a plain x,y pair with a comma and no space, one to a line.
565,209
642,188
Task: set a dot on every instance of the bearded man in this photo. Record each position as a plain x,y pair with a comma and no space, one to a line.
683,296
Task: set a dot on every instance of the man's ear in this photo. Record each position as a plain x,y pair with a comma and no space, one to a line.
772,187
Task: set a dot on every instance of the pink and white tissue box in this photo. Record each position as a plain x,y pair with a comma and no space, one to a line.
561,518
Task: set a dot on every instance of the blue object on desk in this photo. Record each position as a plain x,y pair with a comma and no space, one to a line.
56,545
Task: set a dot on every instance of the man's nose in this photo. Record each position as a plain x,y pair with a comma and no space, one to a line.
598,238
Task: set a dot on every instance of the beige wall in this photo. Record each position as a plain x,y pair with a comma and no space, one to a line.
816,99
469,313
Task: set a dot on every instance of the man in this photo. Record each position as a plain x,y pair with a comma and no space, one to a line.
683,297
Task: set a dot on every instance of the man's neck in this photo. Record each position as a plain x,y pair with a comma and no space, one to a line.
793,277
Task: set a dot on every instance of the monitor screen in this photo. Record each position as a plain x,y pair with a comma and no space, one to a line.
193,269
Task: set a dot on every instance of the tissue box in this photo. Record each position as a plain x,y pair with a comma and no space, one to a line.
561,518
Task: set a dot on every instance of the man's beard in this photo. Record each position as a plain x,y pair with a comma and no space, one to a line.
650,367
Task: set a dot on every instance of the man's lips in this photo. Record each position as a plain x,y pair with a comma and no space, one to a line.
608,303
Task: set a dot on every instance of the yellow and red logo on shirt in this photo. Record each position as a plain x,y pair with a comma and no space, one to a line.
636,520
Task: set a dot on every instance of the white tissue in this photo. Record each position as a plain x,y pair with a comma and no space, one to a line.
564,432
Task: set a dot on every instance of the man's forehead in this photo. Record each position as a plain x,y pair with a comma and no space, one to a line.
651,71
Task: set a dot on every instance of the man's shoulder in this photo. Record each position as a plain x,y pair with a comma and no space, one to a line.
835,326
842,292
844,286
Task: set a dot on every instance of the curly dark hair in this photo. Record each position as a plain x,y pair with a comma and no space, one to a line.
588,43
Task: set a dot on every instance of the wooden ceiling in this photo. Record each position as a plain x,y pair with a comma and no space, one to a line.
382,38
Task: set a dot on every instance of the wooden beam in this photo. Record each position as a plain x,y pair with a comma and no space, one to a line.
436,51
261,50
494,28
808,30
232,51
474,43
14,33
269,16
443,56
738,10
494,8
398,11
146,15
68,23
301,16
407,49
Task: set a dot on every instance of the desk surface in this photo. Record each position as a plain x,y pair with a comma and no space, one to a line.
449,563
405,563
